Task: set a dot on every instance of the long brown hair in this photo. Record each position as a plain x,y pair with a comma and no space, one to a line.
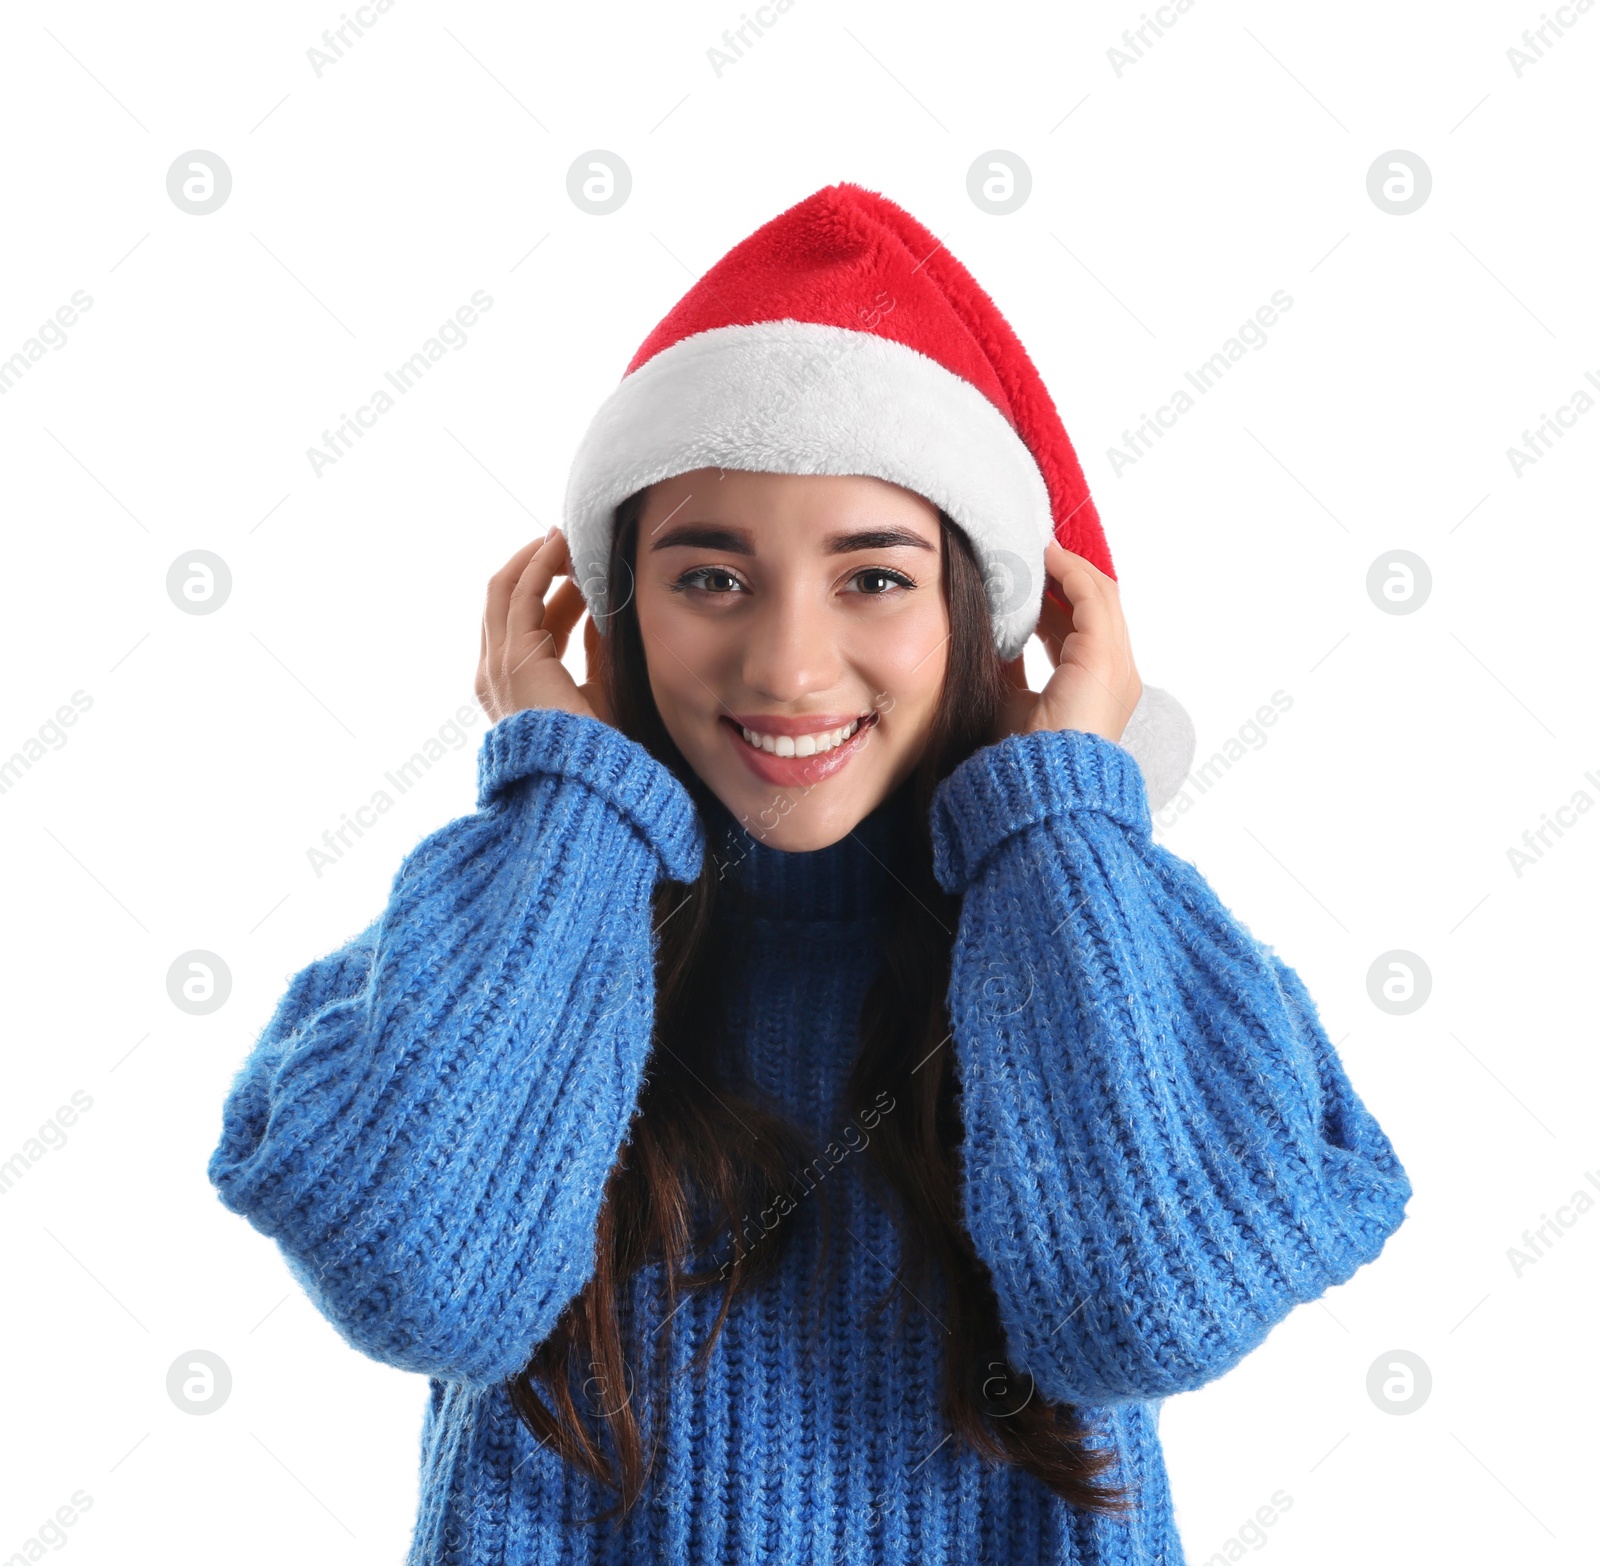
698,1150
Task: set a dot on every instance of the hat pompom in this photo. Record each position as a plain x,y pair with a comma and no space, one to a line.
1160,734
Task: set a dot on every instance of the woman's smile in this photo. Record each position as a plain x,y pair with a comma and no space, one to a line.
788,759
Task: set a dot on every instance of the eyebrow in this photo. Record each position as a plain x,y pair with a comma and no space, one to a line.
737,541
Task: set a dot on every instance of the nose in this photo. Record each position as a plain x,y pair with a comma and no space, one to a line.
792,650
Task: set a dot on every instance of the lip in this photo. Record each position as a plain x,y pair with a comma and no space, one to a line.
811,723
790,771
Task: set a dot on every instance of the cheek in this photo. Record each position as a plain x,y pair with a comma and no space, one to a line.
682,651
906,657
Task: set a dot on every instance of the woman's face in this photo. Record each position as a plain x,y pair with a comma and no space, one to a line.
793,606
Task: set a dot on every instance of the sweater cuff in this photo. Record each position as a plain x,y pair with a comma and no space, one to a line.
620,770
1023,779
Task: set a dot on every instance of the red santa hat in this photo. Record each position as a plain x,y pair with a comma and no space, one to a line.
842,337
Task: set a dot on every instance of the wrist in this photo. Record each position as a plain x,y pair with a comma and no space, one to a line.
1102,727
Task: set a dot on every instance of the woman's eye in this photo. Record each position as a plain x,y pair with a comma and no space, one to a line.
876,574
702,575
718,582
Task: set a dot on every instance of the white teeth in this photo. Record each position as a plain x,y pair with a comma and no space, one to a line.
800,745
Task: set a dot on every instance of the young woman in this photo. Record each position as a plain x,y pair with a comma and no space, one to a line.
800,1115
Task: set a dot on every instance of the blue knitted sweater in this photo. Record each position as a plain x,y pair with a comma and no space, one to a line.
1163,1155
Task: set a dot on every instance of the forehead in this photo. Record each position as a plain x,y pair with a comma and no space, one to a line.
751,513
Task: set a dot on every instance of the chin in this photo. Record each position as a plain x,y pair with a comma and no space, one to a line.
796,815
800,833
793,820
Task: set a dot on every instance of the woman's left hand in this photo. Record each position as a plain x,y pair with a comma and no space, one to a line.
1095,686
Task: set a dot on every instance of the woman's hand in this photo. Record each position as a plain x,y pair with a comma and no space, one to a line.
523,637
1095,686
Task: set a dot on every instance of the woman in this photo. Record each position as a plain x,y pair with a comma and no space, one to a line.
802,963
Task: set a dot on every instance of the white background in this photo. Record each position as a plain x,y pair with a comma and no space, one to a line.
1168,203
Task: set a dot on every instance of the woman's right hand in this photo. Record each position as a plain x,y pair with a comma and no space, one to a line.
523,637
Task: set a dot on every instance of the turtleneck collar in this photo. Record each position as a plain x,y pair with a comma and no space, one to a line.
852,879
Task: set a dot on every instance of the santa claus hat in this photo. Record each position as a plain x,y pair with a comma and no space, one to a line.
842,337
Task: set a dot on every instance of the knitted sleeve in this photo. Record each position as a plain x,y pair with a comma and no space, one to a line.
1163,1155
427,1123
